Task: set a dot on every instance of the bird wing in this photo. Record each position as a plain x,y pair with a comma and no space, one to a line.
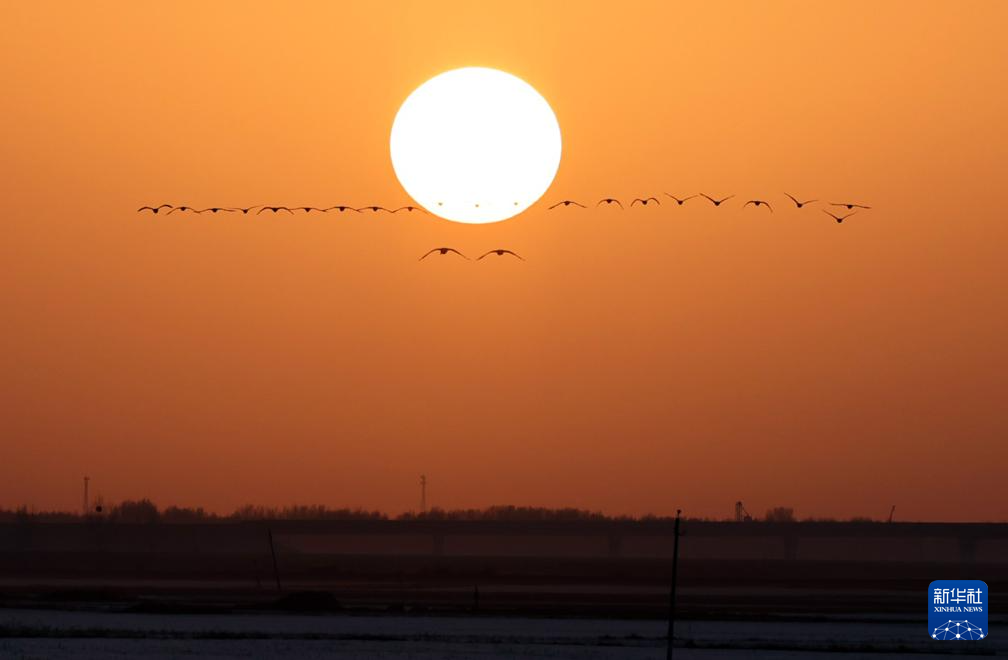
554,206
793,199
830,214
708,197
751,201
487,254
263,209
768,206
727,198
578,204
655,200
429,254
459,254
513,254
144,208
636,199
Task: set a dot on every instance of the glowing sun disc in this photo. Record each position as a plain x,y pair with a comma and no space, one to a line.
475,145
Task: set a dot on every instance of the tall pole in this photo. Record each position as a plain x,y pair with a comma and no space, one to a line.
423,493
86,480
670,650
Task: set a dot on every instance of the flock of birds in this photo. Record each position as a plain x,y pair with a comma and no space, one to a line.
168,209
756,203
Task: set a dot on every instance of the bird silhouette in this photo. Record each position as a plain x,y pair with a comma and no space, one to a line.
275,209
373,209
500,253
839,218
214,209
798,203
409,209
154,209
308,209
566,202
850,205
341,208
758,203
609,201
682,201
717,202
645,201
444,250
181,208
246,209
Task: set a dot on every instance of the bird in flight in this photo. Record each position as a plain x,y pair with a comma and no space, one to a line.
566,202
181,208
798,203
758,203
246,209
717,202
645,201
154,209
373,209
409,209
443,250
308,209
341,209
501,253
609,201
682,201
214,209
839,218
850,205
275,209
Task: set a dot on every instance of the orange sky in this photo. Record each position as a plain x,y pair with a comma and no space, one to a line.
636,362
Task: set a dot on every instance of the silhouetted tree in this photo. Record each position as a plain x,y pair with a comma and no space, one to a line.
780,514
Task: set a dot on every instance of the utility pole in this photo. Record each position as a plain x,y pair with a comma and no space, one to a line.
670,650
423,493
86,480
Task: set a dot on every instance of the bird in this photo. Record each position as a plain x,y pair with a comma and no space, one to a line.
154,209
566,202
682,201
645,201
609,201
409,209
246,209
800,204
839,218
275,209
850,205
181,208
758,203
444,250
213,209
373,209
341,208
308,209
500,253
717,202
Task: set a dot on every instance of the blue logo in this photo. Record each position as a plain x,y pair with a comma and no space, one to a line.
957,610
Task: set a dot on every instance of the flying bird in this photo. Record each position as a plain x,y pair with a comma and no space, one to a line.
410,209
758,203
341,209
645,201
214,209
798,203
501,253
566,202
308,209
154,209
181,208
839,218
682,201
444,250
717,202
850,205
246,209
609,201
373,209
275,209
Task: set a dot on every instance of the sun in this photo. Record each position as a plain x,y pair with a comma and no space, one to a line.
475,145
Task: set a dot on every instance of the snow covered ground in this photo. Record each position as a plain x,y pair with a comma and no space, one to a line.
31,633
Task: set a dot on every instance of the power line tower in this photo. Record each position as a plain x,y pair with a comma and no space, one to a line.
741,515
86,480
423,493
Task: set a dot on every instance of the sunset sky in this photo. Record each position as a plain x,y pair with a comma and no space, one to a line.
636,362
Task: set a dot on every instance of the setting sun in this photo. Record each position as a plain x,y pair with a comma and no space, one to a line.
475,145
